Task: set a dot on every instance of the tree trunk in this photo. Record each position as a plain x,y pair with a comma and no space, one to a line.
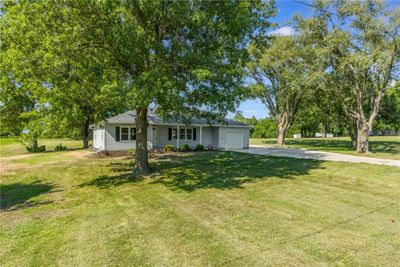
34,144
363,130
282,128
141,158
353,137
85,134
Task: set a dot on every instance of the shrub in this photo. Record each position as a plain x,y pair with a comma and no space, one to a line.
199,147
131,151
60,147
168,148
31,149
184,147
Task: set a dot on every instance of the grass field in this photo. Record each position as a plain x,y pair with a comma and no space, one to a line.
380,146
197,209
11,147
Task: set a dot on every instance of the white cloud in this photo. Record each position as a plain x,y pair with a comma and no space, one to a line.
283,31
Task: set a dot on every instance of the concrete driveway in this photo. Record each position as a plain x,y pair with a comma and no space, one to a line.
317,155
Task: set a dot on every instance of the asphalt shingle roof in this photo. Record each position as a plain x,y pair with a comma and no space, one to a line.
153,119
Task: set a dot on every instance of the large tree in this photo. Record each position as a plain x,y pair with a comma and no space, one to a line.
184,57
283,78
54,46
359,42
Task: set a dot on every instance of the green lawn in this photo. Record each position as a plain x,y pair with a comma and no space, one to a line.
380,146
201,209
11,147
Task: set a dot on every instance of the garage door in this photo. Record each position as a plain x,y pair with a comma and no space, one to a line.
234,141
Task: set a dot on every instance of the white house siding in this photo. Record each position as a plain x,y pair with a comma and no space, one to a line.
222,135
113,145
208,136
98,138
215,137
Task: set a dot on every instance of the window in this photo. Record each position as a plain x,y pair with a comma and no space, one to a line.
133,134
188,134
174,133
182,134
124,133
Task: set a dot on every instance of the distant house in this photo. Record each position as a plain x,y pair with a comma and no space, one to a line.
119,133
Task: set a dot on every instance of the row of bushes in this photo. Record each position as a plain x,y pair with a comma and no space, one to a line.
39,149
186,147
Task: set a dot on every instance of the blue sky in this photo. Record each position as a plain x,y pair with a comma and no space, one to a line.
285,11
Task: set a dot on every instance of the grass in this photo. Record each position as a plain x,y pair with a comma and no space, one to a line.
380,146
12,147
198,209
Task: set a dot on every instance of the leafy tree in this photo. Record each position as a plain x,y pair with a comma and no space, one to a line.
21,92
359,44
184,57
389,117
283,79
57,45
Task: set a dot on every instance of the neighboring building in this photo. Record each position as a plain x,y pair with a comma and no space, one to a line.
119,133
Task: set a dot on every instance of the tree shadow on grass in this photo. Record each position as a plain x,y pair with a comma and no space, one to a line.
17,195
106,181
123,174
220,170
227,170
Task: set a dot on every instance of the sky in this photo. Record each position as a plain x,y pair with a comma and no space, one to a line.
285,11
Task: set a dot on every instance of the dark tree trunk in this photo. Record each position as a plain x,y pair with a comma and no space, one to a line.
85,133
352,131
141,158
34,144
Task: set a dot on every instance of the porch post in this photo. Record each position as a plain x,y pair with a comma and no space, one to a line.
151,136
201,135
177,136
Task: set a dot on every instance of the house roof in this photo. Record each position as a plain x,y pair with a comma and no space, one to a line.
153,119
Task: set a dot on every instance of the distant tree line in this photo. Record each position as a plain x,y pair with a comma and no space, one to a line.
339,72
315,118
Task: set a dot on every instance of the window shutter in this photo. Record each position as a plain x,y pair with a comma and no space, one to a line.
169,133
117,133
194,134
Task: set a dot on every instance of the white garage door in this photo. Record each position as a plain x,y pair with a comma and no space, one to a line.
234,141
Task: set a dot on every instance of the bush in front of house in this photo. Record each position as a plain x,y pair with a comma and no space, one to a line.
199,147
131,151
184,147
38,149
168,148
60,147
